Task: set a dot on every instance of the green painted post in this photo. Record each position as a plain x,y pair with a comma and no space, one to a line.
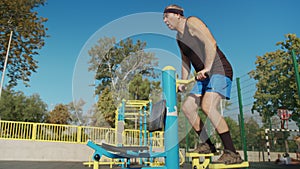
187,144
295,63
242,119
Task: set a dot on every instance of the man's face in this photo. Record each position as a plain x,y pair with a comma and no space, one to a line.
171,20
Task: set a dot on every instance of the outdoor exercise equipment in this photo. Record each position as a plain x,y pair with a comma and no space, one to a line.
202,161
171,153
167,119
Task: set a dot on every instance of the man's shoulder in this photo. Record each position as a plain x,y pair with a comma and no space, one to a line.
193,21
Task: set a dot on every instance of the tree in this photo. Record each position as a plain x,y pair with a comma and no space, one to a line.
77,114
252,132
116,64
276,84
59,115
18,107
156,91
105,110
27,38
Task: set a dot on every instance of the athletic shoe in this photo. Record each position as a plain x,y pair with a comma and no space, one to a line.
204,148
229,157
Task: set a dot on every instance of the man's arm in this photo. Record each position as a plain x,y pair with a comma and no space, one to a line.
198,28
185,71
185,66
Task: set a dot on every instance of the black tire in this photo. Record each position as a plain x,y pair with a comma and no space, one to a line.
97,157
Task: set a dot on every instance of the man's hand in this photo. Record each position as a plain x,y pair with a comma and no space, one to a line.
181,88
201,75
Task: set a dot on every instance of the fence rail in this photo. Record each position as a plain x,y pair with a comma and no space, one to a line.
70,133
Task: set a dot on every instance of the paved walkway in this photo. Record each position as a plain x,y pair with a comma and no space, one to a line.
79,165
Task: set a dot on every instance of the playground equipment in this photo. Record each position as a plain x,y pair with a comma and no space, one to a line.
171,153
137,109
171,143
196,163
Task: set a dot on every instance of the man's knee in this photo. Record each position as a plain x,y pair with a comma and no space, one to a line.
190,104
210,102
186,108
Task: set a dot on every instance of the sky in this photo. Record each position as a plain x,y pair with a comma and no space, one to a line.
243,29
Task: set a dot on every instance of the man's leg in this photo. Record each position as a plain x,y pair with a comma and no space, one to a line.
210,105
190,109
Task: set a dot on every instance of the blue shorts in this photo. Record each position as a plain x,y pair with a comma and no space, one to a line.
216,83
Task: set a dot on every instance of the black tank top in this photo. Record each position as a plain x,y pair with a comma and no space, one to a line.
193,48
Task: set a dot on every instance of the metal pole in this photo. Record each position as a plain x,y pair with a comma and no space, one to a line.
242,119
295,63
150,133
171,125
5,63
145,130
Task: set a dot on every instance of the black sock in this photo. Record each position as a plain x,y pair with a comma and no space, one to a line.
203,135
227,141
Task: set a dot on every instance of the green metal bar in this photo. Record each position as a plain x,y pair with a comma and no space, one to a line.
295,63
243,137
187,144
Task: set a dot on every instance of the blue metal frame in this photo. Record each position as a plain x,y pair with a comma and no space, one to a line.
171,124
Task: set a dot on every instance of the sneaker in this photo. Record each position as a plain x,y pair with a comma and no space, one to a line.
229,157
204,148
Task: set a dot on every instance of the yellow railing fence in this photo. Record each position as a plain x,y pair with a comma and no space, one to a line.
131,137
157,139
55,132
71,133
16,130
97,134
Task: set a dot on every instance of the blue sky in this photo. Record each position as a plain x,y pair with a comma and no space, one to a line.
243,29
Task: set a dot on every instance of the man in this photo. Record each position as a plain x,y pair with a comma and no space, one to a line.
214,77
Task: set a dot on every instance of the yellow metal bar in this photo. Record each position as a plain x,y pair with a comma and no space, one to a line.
34,129
242,165
116,124
79,134
182,159
180,81
199,155
184,82
134,105
96,165
196,160
132,114
138,101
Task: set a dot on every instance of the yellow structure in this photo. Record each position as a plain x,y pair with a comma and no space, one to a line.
196,164
206,162
221,166
96,164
